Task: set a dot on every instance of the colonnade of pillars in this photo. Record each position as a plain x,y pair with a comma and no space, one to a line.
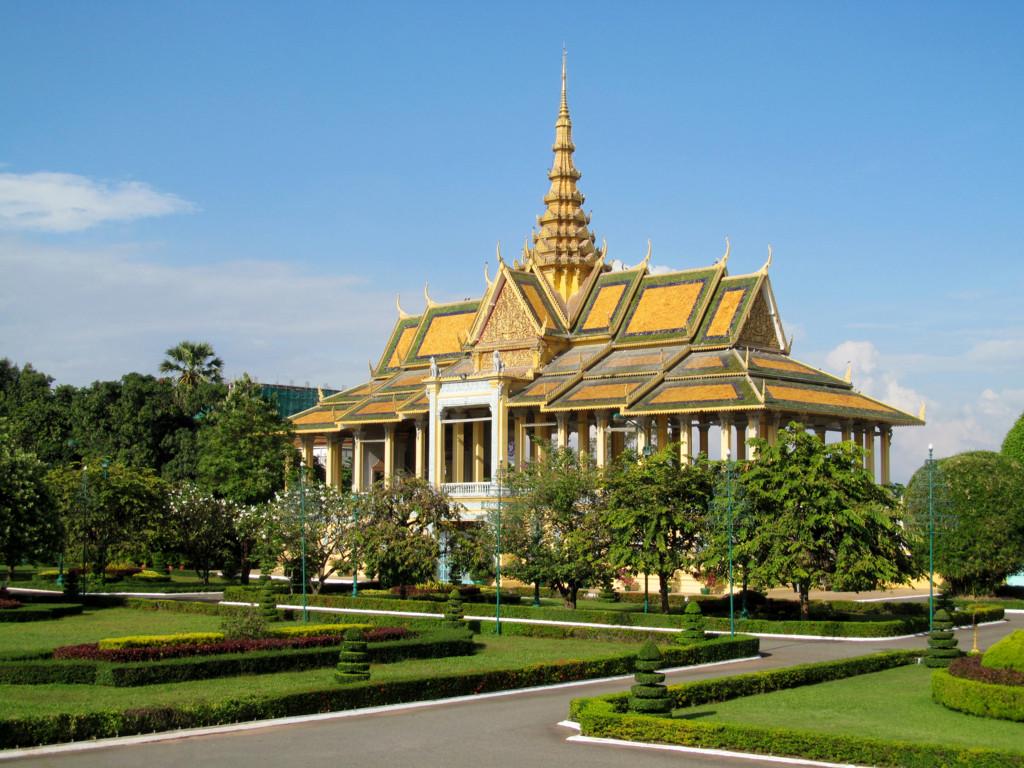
595,433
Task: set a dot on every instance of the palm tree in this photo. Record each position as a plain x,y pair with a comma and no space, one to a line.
193,363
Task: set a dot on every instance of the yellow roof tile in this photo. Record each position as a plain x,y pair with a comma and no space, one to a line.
725,312
663,307
604,305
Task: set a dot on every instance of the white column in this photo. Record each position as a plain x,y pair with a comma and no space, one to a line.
869,450
519,438
702,432
643,435
478,452
563,430
421,438
307,450
725,424
458,451
582,433
389,453
662,421
753,430
357,461
884,446
334,460
685,440
601,448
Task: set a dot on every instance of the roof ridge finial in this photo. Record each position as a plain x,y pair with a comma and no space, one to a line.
768,263
722,262
564,106
402,314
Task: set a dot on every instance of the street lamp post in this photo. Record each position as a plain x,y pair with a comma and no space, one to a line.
355,559
302,522
931,538
497,565
83,576
728,491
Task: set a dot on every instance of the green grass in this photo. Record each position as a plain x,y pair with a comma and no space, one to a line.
497,653
94,624
895,704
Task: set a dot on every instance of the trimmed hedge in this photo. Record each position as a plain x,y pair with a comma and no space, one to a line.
40,611
1007,653
598,718
314,630
175,670
156,641
912,623
606,717
1003,702
53,729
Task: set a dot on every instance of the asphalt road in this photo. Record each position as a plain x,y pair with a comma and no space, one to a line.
517,730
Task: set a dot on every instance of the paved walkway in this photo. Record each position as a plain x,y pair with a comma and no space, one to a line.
517,730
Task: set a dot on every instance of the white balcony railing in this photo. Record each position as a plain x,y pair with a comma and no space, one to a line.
474,490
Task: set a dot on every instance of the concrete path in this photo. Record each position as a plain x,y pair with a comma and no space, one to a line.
517,730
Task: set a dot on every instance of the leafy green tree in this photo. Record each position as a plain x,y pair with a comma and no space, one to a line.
330,529
982,518
37,413
1013,443
821,519
401,526
105,507
471,550
554,526
29,525
243,447
195,368
654,507
198,525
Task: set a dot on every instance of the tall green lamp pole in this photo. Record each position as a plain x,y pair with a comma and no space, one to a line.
84,576
931,538
497,565
302,522
355,559
728,492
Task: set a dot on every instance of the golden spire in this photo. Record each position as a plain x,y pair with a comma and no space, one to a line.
563,248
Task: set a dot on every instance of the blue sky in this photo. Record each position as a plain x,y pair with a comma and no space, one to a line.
267,176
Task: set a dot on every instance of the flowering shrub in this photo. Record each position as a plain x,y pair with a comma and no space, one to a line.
9,603
971,668
93,652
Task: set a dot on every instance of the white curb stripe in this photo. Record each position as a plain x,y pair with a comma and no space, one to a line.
711,752
592,625
213,730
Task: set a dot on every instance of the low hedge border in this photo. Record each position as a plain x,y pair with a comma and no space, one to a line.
606,717
880,629
440,643
598,718
1002,702
40,612
725,688
53,729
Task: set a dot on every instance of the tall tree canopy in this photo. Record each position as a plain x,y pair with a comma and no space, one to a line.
553,526
38,415
821,519
980,519
197,372
243,447
655,509
29,525
401,526
1013,443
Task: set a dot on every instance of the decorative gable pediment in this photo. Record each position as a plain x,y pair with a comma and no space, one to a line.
509,320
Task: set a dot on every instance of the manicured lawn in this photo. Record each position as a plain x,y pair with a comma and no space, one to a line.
94,624
895,704
497,653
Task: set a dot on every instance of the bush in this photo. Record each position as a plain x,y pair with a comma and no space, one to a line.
268,600
941,642
971,668
247,623
50,729
693,624
353,662
1008,653
40,611
157,641
1003,702
453,611
314,630
160,652
150,577
649,695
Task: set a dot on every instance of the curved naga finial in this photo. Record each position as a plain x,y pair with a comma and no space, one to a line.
402,314
487,278
369,364
768,263
924,409
647,256
498,249
604,247
426,296
725,256
848,376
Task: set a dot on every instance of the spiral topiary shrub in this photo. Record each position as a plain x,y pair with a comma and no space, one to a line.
693,624
453,611
942,645
1008,653
649,696
268,600
353,663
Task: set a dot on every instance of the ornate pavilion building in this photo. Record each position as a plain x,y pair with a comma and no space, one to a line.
563,349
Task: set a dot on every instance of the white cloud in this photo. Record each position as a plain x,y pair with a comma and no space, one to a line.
1008,351
92,314
65,202
977,422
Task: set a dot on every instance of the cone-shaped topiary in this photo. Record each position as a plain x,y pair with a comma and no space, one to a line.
941,642
353,663
649,696
693,624
157,563
453,611
268,600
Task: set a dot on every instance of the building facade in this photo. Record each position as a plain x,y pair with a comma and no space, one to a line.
564,349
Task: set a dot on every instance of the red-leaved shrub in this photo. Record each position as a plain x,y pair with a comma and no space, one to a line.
970,667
